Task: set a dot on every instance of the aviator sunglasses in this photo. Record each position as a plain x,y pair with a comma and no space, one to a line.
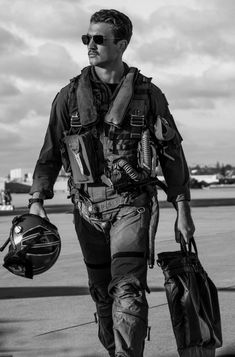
98,39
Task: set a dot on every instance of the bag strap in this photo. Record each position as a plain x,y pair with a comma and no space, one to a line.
192,244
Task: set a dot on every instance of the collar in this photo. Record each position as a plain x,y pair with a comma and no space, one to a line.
117,110
94,77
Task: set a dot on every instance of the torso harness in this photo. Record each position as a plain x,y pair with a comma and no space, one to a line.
111,145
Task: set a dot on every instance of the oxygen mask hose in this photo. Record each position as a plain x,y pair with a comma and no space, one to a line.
131,172
146,151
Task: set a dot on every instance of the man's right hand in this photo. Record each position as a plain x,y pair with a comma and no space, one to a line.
38,209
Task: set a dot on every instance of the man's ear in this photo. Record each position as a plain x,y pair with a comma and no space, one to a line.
122,45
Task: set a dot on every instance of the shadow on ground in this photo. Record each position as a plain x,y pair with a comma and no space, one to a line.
50,291
41,291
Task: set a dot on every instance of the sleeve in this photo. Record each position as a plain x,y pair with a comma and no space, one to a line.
49,162
169,147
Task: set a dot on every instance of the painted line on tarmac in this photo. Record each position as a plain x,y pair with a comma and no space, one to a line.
65,328
85,323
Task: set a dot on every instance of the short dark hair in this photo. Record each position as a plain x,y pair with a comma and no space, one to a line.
122,25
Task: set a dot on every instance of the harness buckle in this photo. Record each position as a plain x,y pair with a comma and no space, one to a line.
140,210
137,119
75,121
137,123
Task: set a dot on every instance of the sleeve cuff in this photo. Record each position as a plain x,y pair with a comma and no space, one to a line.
47,194
178,193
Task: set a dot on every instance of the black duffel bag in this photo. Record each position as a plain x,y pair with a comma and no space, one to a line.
193,302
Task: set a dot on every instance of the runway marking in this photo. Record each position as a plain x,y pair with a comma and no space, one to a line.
85,323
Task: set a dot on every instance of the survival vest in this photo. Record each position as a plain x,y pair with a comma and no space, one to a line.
110,143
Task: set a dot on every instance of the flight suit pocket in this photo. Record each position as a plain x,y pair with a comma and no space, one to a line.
83,152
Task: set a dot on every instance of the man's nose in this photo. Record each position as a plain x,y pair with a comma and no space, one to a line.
92,44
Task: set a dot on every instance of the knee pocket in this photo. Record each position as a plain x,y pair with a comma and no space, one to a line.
126,287
100,294
130,299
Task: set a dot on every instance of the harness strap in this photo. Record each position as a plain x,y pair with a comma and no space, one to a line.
128,254
90,209
72,99
85,99
98,266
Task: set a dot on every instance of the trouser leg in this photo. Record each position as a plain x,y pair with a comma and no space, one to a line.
129,246
98,285
96,252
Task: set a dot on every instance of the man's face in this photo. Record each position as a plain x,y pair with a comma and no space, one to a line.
106,54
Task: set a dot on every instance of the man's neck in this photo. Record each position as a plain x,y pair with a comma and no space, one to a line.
110,75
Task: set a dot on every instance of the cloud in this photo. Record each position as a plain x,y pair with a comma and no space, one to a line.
186,46
20,144
177,32
50,63
7,88
44,19
6,134
30,100
10,42
201,92
163,52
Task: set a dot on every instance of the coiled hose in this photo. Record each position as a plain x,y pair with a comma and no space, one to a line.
147,160
146,149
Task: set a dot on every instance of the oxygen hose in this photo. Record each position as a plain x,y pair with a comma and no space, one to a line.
147,160
132,173
146,148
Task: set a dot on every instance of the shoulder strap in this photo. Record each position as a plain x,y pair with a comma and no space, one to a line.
140,105
72,103
72,100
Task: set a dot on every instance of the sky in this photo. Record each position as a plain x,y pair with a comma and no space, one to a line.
186,46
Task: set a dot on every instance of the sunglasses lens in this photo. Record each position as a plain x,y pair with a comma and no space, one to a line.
85,39
98,39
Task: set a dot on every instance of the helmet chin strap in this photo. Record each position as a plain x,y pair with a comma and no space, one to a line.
5,244
15,219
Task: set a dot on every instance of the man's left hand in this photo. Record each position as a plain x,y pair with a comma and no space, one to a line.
185,224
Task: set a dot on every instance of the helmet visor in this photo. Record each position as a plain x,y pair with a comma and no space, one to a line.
18,265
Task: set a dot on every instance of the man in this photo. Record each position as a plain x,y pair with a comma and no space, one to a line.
106,128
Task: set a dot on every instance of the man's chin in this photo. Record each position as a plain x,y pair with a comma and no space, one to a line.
93,61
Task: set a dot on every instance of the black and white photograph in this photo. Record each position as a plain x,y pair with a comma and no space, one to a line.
117,178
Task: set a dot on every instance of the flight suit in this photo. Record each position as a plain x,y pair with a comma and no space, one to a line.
104,133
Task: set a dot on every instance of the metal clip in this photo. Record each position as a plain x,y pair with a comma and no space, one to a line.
96,318
75,121
148,333
140,210
137,119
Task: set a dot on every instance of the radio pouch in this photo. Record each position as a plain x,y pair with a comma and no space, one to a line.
83,156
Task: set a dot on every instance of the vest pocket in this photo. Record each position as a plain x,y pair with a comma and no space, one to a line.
84,157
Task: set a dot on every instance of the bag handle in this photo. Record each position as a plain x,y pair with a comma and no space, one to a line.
188,249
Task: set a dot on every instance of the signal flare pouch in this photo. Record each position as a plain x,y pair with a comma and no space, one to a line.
83,156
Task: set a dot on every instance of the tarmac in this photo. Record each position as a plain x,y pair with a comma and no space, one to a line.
53,314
